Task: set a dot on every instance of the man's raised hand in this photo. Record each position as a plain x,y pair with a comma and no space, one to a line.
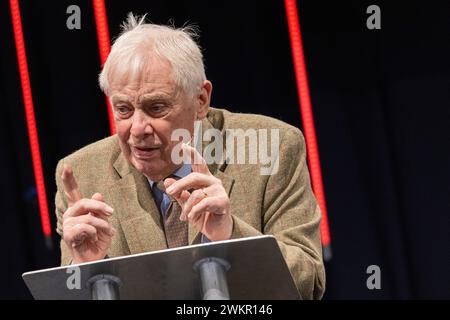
203,199
86,229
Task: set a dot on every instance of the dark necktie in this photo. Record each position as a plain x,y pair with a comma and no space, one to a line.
176,230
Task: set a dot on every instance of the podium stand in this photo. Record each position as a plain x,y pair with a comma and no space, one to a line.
247,268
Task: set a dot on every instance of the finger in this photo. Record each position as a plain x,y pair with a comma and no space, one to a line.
182,198
195,197
71,190
198,221
198,164
168,182
82,232
214,205
99,224
194,180
97,196
85,206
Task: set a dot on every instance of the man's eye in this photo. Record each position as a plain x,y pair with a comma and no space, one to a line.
123,110
158,109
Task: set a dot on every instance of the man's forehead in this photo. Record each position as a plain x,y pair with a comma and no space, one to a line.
155,77
146,91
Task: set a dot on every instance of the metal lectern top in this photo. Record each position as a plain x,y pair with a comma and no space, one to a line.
257,271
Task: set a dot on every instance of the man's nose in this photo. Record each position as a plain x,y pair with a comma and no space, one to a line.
140,125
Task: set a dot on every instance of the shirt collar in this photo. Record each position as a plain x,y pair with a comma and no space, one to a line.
181,172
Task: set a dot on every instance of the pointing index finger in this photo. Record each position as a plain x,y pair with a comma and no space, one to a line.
198,163
71,190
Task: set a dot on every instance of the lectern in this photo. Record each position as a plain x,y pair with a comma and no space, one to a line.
249,268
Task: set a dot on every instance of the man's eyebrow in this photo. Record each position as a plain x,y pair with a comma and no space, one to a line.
119,98
155,97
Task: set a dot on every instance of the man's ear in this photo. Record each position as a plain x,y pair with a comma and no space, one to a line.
203,99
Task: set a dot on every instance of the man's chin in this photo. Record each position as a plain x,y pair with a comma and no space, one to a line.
149,168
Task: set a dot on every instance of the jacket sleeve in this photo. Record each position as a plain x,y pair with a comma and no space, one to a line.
292,215
61,207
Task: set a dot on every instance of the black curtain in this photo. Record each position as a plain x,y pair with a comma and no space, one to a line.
380,101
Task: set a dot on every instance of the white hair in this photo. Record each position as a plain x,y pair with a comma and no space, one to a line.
132,51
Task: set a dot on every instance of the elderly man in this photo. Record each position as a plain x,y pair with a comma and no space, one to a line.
115,196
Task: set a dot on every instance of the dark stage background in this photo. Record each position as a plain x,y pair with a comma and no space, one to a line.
380,100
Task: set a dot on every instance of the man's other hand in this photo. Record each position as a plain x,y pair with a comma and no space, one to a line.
86,229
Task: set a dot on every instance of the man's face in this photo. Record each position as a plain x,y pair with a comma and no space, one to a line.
146,113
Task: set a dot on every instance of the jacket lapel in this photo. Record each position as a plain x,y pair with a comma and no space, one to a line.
136,210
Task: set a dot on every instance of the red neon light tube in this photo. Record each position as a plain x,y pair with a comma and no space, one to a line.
307,119
104,47
30,118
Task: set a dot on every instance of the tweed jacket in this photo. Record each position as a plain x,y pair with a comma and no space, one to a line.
281,204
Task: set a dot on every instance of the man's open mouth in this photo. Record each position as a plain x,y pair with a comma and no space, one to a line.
144,152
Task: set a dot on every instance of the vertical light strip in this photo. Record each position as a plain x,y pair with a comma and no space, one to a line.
104,46
307,119
30,118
